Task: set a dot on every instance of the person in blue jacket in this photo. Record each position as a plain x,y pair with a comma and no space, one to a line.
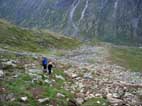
44,64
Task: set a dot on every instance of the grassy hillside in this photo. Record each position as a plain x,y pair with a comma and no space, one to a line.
15,38
128,57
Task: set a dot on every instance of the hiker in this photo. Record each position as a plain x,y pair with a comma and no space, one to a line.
44,64
50,66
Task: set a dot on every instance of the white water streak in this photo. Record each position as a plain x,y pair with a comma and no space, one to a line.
84,10
115,8
74,6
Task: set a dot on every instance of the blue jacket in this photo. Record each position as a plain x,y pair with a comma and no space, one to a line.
44,61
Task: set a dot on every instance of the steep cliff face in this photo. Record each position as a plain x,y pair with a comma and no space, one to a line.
117,21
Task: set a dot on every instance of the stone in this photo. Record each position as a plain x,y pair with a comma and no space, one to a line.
15,76
12,99
78,78
115,95
114,101
88,76
24,99
34,71
43,100
131,98
82,90
79,100
59,77
1,73
80,85
47,81
98,102
10,63
72,103
6,97
2,89
37,78
74,75
80,95
98,95
91,96
59,95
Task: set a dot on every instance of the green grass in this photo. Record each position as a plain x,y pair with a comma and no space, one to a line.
19,39
96,102
129,57
22,86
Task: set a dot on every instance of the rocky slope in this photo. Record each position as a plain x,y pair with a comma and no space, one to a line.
94,76
83,76
118,21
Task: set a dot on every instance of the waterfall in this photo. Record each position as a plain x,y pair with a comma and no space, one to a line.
84,10
71,21
115,8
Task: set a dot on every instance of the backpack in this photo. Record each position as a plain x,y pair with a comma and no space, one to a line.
44,61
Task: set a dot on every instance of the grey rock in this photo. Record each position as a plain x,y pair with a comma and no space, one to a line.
114,101
15,76
73,75
6,97
34,71
10,63
59,95
1,73
131,98
88,76
79,100
60,77
98,95
116,95
73,103
43,100
24,99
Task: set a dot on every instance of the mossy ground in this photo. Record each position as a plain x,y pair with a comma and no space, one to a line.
19,39
129,57
23,86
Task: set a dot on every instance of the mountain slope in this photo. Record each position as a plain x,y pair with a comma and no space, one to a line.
16,38
117,21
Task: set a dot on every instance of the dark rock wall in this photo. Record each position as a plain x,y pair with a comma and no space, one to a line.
118,21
